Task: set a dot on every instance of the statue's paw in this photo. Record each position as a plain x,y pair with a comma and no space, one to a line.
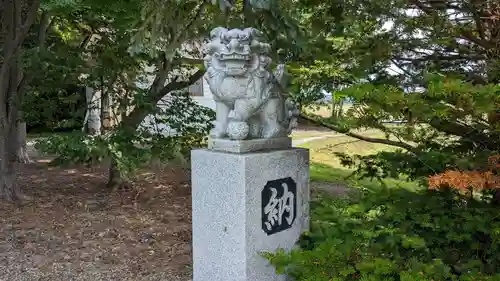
238,130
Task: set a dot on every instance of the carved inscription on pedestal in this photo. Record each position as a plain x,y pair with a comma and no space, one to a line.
279,205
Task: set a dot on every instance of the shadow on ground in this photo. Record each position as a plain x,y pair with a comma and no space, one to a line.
74,229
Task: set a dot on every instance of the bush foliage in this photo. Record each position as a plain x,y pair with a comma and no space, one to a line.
54,111
188,125
397,235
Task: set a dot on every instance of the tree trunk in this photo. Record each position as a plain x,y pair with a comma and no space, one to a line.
93,115
9,190
16,18
115,178
337,107
341,108
132,120
9,115
106,112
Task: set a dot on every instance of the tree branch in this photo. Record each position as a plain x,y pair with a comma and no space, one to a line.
476,15
465,132
185,60
86,41
132,120
431,9
45,24
434,57
466,34
161,75
20,35
178,85
403,145
398,65
179,34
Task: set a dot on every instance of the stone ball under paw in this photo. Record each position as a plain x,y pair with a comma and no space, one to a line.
237,130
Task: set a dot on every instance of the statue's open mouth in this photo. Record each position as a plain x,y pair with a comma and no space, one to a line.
234,56
234,63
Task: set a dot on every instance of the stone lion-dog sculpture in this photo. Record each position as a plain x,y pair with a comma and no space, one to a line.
250,99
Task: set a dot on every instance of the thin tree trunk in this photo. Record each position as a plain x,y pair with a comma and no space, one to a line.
332,115
106,111
9,190
93,115
341,108
16,18
336,108
115,178
22,151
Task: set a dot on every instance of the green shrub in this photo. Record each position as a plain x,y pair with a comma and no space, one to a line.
416,166
131,148
54,110
397,235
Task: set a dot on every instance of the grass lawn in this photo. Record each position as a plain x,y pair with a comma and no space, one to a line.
322,150
326,167
299,135
34,136
324,110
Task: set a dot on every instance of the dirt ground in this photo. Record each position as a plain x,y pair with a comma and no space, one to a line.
73,230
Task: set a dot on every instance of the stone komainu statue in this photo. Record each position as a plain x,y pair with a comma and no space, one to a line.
250,101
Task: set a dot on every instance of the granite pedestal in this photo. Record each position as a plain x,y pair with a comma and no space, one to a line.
244,146
243,204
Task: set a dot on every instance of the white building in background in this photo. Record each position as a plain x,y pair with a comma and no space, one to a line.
199,92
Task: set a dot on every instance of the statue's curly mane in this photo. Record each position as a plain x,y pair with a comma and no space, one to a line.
239,56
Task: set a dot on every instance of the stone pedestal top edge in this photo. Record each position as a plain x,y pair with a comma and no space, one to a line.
252,145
